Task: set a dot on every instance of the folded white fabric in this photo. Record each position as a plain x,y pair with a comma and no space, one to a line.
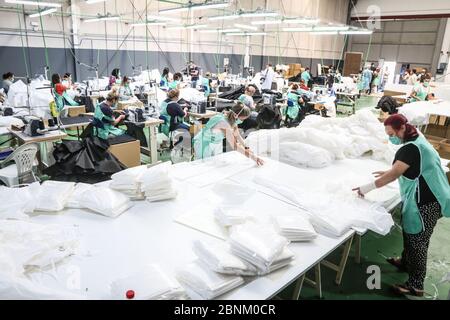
127,179
157,184
257,244
232,194
218,258
285,258
53,196
16,202
295,228
74,200
151,283
230,216
105,201
206,283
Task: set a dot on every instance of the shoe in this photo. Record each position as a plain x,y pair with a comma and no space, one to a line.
402,289
397,262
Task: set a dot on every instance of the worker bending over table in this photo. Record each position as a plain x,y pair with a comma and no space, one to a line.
105,123
209,141
425,193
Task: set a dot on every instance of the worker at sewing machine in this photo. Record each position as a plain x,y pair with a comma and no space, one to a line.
59,91
295,103
105,122
125,91
176,82
209,141
8,80
114,78
421,90
165,77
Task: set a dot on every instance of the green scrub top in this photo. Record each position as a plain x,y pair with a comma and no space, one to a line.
292,111
174,85
306,77
421,93
59,100
208,143
165,127
433,174
108,128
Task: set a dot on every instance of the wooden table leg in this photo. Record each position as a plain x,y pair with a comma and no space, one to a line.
343,262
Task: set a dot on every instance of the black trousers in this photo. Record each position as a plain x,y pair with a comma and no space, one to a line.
415,252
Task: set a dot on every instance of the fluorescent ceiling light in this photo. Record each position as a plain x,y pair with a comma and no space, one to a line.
193,7
266,22
245,26
143,24
259,14
107,18
194,26
301,21
161,18
336,28
229,17
209,31
35,3
247,34
324,32
305,29
229,30
350,32
43,13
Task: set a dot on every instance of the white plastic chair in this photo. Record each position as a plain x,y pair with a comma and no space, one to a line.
24,159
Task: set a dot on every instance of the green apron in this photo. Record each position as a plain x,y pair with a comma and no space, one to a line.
205,83
165,127
59,100
306,77
108,128
164,82
208,143
432,172
173,85
421,93
292,111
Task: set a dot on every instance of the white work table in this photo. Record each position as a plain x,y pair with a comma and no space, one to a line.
111,249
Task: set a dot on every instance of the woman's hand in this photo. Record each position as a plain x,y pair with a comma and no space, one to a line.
378,174
358,190
259,161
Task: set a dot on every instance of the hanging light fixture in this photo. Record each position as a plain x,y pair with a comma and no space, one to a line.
202,6
35,3
43,13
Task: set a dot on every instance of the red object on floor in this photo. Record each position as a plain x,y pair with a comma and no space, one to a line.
130,294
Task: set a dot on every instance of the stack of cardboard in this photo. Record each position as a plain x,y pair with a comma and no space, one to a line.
294,69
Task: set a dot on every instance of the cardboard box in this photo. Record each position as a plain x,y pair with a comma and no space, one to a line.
129,154
438,131
435,141
76,111
195,128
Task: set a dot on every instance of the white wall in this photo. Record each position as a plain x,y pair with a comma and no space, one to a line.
402,7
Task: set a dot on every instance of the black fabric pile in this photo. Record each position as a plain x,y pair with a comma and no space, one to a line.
388,104
269,117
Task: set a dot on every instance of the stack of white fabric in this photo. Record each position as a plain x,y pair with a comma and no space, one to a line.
126,181
151,283
230,216
15,203
218,258
295,228
199,280
74,200
25,246
157,184
105,201
261,246
52,196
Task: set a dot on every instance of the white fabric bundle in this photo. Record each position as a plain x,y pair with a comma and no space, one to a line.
417,113
9,121
230,216
16,202
105,201
302,154
257,244
283,260
219,258
53,196
295,228
205,282
151,283
231,193
127,181
157,184
74,200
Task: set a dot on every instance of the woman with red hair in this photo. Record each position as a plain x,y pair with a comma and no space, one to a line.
425,194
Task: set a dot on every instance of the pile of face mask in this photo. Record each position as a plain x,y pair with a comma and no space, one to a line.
261,246
52,196
219,258
15,203
74,200
126,181
295,228
105,201
198,278
151,283
157,184
230,216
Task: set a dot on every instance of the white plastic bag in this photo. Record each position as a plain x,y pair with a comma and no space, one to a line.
105,201
16,202
74,199
53,196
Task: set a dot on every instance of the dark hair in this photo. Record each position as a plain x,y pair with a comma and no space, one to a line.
165,72
67,75
237,110
173,93
425,77
295,87
115,72
269,64
177,76
306,69
414,70
56,78
396,121
125,79
8,75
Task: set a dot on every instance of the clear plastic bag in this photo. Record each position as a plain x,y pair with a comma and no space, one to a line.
53,196
105,201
